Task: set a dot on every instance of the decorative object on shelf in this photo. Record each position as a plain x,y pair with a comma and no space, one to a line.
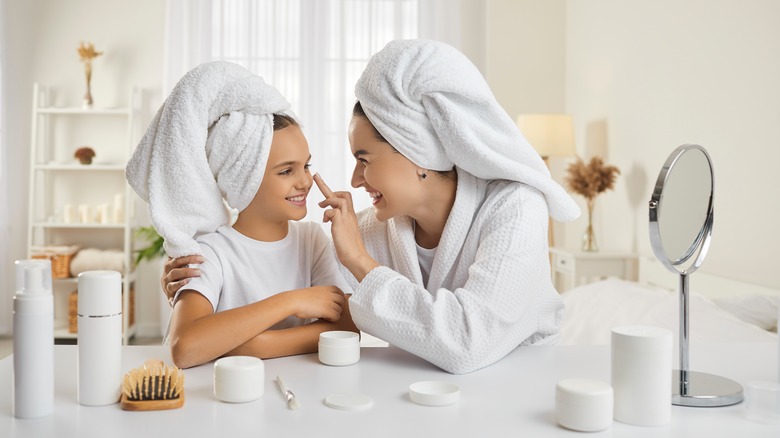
84,155
60,257
94,259
589,180
87,53
155,248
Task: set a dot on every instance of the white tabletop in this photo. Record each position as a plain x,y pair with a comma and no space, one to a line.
514,397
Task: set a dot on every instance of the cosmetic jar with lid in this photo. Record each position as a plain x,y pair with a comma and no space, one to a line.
642,375
339,348
239,379
583,405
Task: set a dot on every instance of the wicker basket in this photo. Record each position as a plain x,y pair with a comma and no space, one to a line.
60,257
73,309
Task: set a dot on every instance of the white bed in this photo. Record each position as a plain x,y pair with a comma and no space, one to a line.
722,310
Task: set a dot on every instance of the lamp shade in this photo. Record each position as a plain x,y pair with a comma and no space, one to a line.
549,134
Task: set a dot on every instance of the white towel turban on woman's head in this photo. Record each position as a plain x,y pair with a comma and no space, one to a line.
184,171
433,105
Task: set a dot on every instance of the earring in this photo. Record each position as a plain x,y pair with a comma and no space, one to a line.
421,173
424,175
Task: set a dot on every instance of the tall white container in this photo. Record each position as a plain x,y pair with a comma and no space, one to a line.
99,337
33,391
642,375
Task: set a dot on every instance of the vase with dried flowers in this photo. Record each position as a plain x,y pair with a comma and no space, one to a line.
87,53
589,180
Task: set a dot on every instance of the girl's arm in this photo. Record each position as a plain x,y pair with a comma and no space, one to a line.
294,340
198,335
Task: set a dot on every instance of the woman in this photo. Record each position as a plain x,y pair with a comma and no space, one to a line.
451,263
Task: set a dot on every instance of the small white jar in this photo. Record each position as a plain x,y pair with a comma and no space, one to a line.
583,405
239,379
339,348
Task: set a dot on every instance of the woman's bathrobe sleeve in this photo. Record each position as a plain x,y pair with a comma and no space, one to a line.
489,290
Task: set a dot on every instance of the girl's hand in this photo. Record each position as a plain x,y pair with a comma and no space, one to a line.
176,274
345,231
323,302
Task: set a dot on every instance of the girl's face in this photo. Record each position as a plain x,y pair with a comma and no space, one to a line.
287,180
389,178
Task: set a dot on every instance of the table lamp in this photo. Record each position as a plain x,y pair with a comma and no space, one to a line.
551,135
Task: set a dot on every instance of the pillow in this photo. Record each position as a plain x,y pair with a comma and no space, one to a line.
90,259
756,309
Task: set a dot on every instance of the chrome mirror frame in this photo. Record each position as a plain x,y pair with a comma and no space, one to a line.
689,388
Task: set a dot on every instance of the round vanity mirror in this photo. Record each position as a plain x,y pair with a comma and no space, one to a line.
681,209
681,215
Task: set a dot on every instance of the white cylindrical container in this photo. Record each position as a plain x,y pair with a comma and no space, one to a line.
339,348
119,208
85,213
239,379
584,405
33,391
69,214
642,375
99,337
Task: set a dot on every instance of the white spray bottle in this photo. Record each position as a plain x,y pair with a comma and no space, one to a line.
33,393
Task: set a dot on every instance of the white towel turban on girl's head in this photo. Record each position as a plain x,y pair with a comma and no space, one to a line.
184,171
433,105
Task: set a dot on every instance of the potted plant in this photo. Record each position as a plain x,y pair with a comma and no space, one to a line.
154,250
589,180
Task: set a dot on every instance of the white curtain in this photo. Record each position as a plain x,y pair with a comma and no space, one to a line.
313,51
5,260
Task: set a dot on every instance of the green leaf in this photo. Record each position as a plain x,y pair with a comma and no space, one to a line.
154,250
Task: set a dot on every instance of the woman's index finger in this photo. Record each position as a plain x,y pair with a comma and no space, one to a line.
326,191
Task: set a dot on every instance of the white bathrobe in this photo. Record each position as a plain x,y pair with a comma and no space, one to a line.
489,289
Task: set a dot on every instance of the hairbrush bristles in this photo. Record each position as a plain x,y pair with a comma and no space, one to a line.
153,386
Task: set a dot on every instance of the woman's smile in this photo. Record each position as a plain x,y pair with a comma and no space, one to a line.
375,196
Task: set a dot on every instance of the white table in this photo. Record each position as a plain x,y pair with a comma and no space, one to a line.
514,397
572,269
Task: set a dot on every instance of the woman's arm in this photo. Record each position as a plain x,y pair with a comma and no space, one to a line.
199,335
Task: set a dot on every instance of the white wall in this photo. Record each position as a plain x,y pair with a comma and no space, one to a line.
41,37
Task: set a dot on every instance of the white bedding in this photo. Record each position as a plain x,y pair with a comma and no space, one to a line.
592,310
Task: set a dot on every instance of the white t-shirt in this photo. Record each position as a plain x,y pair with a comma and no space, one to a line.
240,270
425,257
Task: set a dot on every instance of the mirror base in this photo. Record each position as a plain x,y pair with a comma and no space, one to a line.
705,390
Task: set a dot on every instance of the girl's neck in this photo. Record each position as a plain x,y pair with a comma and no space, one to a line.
260,229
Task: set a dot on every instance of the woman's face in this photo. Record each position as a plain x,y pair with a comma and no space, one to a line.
389,178
287,180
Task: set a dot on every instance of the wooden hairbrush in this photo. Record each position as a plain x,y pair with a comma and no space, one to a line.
154,386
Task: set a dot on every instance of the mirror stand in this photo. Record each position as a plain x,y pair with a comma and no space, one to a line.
694,388
684,193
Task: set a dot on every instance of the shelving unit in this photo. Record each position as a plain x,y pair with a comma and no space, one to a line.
57,180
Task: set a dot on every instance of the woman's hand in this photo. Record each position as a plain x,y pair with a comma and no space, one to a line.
345,231
323,302
176,274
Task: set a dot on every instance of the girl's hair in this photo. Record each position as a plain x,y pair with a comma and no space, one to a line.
357,111
282,121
